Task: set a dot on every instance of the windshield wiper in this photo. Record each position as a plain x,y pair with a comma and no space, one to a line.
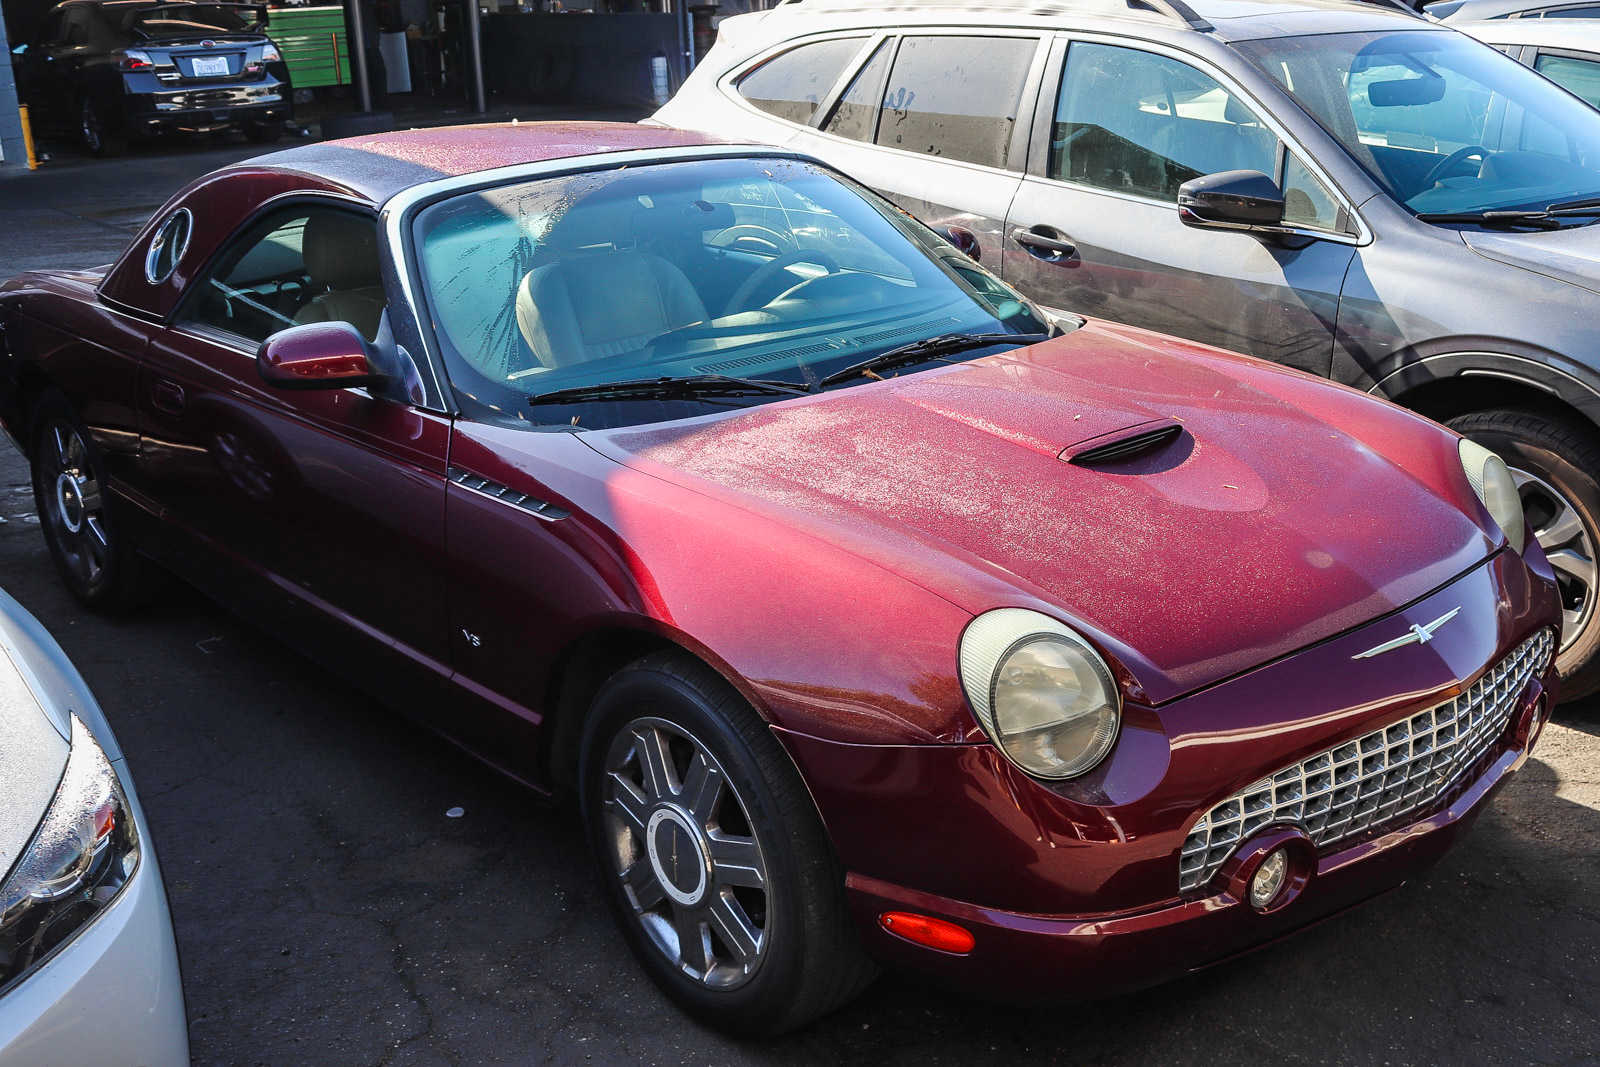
687,387
947,344
1548,218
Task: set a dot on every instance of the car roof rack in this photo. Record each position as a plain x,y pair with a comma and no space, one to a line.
1177,10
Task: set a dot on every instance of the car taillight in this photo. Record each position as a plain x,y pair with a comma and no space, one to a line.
135,60
270,54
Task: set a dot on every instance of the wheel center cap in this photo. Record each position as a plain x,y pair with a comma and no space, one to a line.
678,853
70,500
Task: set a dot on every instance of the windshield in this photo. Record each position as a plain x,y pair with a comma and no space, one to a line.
754,268
186,20
1444,123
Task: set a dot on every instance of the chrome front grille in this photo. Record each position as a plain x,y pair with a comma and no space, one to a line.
1372,781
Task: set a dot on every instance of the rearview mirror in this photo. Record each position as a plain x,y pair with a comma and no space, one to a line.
1231,199
1406,92
318,355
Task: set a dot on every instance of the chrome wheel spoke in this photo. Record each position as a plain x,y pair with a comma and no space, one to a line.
1575,565
644,886
1560,530
60,434
735,928
1563,527
98,538
629,804
702,787
737,861
694,940
656,763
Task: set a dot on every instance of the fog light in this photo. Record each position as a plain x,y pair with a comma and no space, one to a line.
1268,879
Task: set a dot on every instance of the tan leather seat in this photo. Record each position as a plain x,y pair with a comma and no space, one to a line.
341,257
591,306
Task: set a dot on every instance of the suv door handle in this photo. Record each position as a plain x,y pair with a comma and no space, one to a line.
167,396
1035,241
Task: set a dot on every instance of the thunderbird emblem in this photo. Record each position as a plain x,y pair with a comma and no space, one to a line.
1418,635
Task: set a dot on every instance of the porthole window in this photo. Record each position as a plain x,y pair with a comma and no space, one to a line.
168,247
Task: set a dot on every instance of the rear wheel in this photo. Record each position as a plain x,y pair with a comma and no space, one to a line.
1555,461
69,492
99,137
711,854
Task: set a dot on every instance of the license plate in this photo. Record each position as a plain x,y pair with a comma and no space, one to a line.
210,68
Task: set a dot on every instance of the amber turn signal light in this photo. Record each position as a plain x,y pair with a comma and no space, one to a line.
927,931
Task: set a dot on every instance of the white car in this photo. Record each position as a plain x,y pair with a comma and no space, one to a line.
1566,51
88,966
1456,11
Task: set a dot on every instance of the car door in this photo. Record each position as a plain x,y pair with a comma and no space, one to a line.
1576,72
937,121
1094,228
44,71
322,508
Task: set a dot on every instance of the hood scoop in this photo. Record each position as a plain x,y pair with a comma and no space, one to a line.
1119,446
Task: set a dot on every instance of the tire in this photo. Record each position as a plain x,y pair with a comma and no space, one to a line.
99,137
75,514
751,866
263,132
1555,460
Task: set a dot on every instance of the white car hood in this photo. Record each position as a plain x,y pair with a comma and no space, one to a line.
32,756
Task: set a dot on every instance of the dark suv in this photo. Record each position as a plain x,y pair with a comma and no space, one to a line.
1345,188
109,70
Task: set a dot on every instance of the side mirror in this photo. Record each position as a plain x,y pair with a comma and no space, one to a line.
1231,200
965,240
318,355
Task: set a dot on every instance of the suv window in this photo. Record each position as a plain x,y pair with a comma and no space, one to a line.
792,85
956,97
1136,122
856,115
1573,13
1580,77
302,264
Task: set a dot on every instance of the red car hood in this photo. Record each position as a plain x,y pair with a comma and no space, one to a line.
1262,529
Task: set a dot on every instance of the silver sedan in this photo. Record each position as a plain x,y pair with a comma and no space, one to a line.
88,967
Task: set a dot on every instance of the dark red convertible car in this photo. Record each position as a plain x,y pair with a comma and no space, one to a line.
874,614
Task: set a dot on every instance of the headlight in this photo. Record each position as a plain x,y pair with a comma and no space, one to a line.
83,852
1491,480
1043,695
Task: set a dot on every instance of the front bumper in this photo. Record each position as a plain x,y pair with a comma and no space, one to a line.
1072,890
113,993
1025,957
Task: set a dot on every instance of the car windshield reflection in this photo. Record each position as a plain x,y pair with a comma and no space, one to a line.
767,269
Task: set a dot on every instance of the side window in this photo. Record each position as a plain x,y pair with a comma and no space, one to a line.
299,265
956,97
1580,77
78,27
1574,13
1306,201
792,85
1136,122
856,115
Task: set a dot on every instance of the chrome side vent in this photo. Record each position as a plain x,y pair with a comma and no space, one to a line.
542,509
1124,445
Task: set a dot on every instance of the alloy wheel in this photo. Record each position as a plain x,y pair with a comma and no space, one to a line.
681,842
1567,543
72,504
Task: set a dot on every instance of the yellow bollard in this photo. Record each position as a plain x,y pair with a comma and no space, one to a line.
27,138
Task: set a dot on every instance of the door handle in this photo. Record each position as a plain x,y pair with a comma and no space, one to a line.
1035,241
166,395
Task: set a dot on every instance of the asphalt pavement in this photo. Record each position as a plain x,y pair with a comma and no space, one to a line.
333,906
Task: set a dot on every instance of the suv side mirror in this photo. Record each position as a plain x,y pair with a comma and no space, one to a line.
965,240
1231,200
318,355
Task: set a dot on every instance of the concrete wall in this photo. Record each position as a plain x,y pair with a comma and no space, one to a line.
11,149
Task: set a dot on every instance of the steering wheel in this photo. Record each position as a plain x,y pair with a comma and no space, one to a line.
767,271
1442,167
749,231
